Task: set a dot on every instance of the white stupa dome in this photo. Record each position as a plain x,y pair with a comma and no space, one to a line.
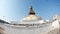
31,16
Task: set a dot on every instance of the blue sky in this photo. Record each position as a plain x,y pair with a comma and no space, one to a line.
15,10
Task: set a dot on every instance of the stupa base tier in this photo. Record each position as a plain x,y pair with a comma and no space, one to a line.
11,29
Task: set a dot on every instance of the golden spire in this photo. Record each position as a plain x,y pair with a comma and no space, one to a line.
31,11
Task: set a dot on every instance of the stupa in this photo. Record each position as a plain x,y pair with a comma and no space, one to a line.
31,16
